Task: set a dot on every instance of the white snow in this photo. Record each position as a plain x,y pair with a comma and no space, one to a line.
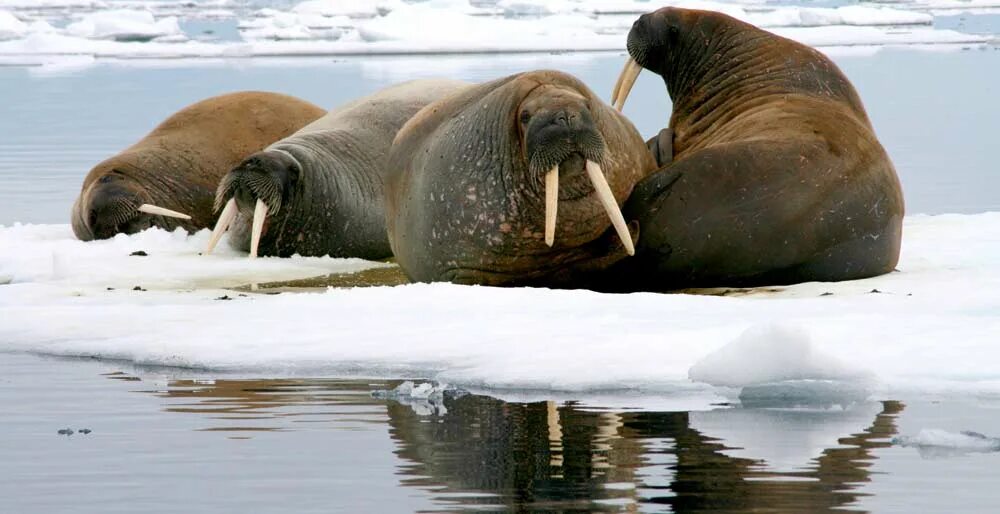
931,327
362,27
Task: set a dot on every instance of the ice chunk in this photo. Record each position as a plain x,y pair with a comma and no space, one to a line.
425,398
936,443
124,25
771,353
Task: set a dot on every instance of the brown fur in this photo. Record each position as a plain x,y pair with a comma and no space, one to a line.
777,175
179,164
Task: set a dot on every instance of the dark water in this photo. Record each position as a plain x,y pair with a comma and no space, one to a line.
182,441
935,112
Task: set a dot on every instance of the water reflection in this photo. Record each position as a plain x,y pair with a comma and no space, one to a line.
477,452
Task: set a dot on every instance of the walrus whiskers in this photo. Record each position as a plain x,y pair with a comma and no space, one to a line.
259,214
551,203
607,199
225,219
625,82
160,211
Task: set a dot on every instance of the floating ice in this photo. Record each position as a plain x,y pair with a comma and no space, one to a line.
124,25
432,27
961,442
425,398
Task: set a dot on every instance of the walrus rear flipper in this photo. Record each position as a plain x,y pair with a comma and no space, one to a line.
662,147
751,213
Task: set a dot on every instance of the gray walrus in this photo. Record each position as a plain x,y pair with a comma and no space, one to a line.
320,190
771,171
168,178
517,181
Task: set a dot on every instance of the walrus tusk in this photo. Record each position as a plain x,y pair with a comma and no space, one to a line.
160,211
551,203
618,83
225,219
607,199
625,82
259,214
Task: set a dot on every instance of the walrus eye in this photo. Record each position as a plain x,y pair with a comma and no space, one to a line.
525,116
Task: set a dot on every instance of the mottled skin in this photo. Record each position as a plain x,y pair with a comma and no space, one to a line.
777,176
324,185
465,198
179,164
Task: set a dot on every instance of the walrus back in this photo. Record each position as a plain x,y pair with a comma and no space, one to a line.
179,163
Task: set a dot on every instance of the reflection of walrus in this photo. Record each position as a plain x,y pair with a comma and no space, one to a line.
178,165
320,190
777,176
476,179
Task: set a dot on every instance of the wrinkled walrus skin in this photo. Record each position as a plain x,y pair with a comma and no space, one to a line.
777,176
179,164
323,186
467,194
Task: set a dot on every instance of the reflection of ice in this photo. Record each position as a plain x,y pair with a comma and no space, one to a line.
785,439
933,443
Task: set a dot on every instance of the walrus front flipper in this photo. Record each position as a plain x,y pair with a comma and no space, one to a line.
662,147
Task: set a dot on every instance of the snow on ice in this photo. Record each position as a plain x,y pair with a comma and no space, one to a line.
930,327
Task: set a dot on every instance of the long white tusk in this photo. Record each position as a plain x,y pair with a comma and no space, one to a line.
551,203
160,211
225,219
259,214
618,83
627,80
607,199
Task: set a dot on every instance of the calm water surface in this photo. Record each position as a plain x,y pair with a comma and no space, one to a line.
935,112
183,441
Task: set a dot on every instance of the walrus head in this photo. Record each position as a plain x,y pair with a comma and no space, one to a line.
514,181
257,188
111,203
559,135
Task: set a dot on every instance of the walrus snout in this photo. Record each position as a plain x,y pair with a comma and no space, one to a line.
261,184
112,210
552,137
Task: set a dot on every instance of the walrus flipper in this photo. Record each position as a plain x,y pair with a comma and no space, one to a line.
662,147
711,219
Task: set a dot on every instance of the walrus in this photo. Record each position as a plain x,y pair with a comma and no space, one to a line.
517,181
770,169
320,191
168,178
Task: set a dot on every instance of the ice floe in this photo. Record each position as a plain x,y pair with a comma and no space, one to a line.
935,442
362,27
125,25
931,326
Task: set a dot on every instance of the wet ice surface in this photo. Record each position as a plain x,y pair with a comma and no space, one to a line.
246,443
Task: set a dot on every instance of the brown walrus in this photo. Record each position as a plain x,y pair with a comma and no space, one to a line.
476,179
776,174
168,178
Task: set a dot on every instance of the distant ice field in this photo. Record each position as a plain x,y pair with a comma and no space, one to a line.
52,30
